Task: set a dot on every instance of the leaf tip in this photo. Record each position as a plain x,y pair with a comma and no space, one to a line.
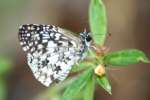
108,87
110,93
145,60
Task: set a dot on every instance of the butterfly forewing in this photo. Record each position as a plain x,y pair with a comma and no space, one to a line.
51,51
34,37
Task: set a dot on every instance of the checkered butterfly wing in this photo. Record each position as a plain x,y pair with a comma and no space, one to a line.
51,51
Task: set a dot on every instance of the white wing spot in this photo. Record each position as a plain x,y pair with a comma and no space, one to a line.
40,46
51,44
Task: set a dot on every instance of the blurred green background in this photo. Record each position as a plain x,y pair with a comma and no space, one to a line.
128,24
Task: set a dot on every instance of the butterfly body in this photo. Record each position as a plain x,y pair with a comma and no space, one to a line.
52,51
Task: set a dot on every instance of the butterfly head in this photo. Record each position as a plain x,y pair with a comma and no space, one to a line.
85,38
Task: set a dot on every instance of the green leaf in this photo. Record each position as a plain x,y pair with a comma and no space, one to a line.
104,83
98,22
125,57
79,96
2,90
89,89
83,65
5,65
77,85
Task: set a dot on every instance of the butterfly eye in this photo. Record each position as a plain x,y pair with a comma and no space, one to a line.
88,39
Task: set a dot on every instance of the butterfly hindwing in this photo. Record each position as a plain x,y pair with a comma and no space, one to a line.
50,67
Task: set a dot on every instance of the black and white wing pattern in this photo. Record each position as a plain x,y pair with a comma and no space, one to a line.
51,51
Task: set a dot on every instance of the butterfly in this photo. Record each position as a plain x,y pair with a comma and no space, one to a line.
52,51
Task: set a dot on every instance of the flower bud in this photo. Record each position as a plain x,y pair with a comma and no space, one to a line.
99,70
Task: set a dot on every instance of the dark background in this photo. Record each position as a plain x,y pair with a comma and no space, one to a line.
128,23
